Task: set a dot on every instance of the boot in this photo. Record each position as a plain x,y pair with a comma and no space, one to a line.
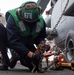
13,60
4,64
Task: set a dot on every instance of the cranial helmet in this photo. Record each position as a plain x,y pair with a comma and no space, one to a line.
29,11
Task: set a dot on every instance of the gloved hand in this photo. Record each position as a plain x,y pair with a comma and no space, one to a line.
41,47
36,61
36,58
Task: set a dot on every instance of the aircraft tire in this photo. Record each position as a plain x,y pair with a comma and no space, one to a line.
69,45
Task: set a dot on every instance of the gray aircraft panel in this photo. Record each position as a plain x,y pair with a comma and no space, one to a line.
62,21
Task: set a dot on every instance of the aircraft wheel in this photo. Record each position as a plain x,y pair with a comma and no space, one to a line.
69,45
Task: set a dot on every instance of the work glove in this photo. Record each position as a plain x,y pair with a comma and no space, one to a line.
41,47
37,58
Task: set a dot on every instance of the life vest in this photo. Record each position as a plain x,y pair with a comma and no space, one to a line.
24,29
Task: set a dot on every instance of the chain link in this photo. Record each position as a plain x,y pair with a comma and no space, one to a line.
60,16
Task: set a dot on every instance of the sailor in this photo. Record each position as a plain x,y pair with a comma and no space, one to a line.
25,27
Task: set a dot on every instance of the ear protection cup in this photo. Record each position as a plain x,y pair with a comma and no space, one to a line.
18,12
40,9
